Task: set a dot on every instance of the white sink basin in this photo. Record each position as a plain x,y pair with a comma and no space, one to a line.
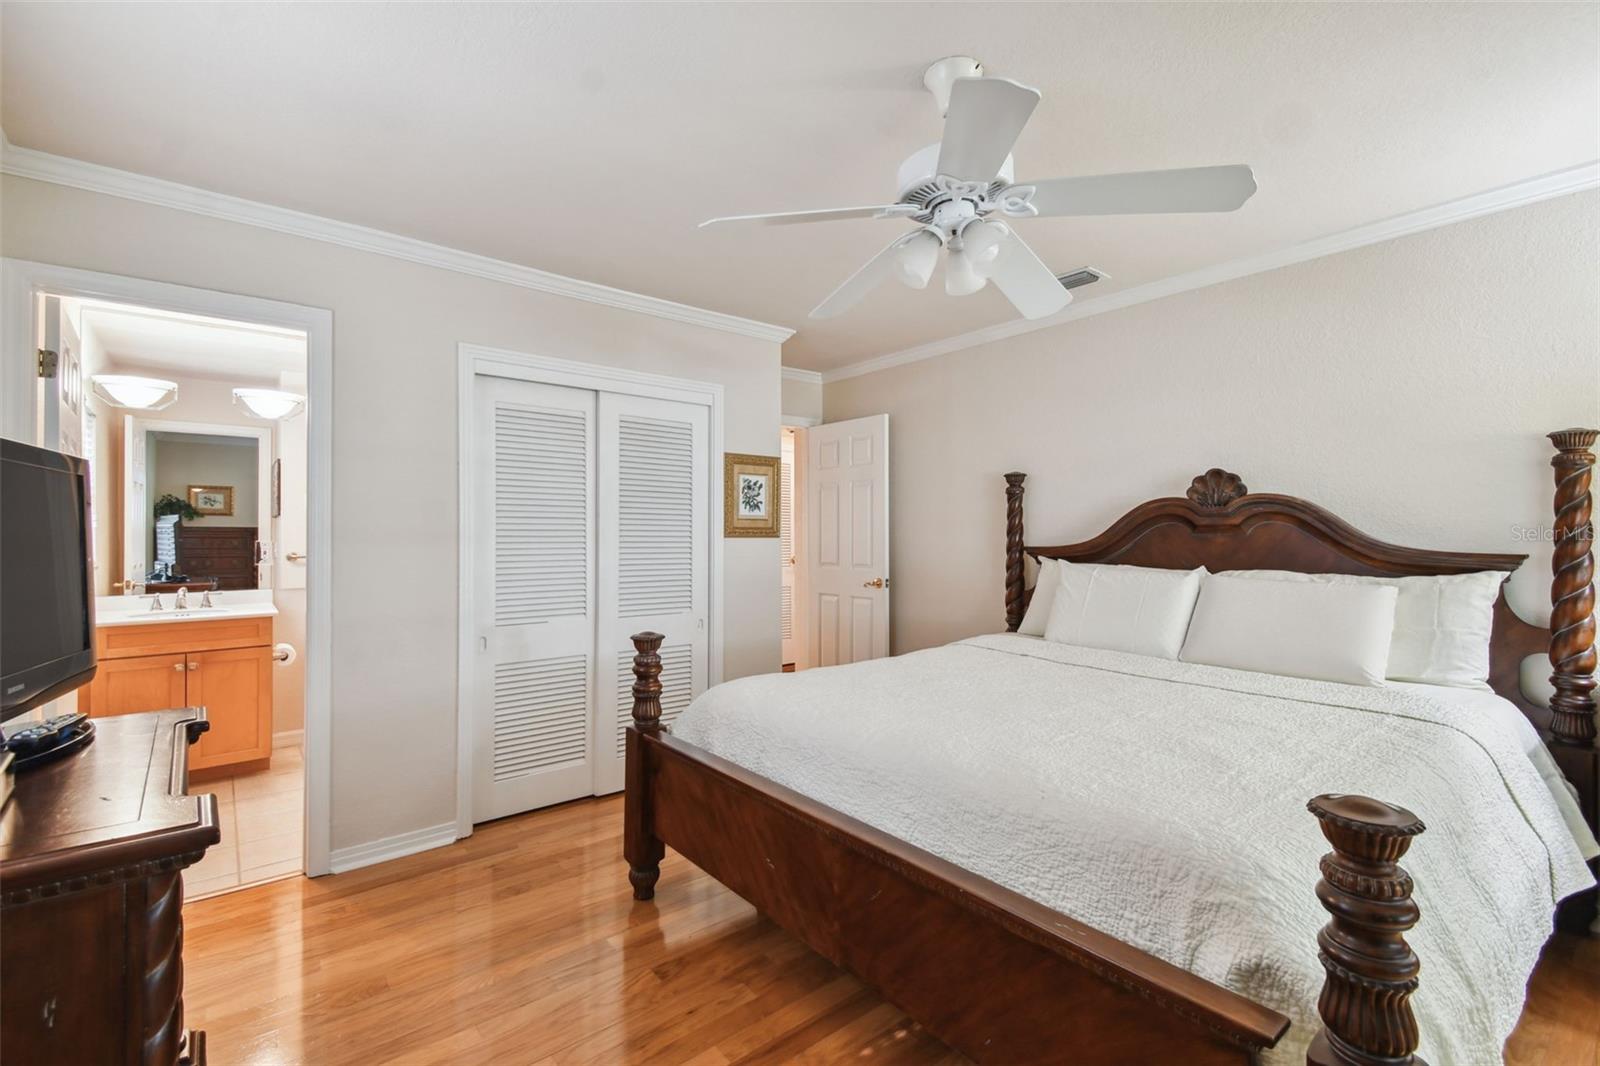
114,612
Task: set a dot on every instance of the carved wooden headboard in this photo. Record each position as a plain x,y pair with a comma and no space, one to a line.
1221,525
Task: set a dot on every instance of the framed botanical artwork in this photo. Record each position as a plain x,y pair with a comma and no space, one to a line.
749,495
211,499
277,487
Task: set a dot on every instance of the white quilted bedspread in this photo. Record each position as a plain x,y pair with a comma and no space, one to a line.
1164,803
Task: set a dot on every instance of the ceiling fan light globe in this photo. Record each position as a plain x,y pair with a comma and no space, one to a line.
981,241
960,276
914,262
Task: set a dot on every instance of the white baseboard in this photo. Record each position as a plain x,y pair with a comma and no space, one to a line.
288,738
395,847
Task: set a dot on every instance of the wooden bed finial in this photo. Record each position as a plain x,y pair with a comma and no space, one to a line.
1370,969
1016,587
640,845
1572,626
647,681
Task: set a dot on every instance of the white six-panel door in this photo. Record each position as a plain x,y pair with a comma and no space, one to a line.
137,514
533,711
654,559
591,524
847,542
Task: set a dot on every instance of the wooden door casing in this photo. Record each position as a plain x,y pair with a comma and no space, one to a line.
234,685
142,683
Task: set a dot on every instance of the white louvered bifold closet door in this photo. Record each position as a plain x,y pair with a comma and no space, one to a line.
534,548
654,556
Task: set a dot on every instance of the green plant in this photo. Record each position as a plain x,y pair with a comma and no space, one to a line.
170,504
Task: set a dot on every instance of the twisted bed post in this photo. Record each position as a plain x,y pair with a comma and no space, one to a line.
1370,970
1016,589
640,846
1572,653
1573,744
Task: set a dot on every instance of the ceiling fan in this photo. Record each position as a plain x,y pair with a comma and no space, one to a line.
953,188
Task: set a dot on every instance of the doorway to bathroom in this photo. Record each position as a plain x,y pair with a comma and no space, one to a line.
203,417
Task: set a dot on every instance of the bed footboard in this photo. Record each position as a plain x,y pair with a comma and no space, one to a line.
992,973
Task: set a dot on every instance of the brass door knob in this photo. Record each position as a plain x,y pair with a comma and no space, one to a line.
875,583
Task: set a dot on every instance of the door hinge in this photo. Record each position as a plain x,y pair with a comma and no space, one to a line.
48,360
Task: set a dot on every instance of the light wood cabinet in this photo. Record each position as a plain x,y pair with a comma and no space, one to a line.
223,665
145,683
235,687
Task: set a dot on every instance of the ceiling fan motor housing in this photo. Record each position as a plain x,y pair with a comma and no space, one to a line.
920,171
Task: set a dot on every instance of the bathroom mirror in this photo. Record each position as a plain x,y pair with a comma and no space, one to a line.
192,506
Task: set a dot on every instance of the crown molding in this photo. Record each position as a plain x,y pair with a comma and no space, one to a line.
61,170
809,377
1545,187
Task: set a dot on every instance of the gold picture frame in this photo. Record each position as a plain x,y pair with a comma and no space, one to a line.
212,499
750,486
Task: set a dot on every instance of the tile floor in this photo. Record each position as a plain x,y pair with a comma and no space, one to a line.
263,821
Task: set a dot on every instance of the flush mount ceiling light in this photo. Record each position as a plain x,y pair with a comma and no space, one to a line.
269,403
130,390
951,189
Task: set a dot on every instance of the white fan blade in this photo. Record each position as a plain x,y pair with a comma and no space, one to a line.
863,281
1025,280
1146,192
784,218
985,118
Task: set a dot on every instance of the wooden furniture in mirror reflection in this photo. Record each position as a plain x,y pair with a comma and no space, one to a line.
223,665
225,555
92,850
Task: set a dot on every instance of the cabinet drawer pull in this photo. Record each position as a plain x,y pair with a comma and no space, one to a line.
194,666
177,666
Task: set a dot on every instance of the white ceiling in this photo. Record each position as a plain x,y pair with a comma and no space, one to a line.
191,345
590,139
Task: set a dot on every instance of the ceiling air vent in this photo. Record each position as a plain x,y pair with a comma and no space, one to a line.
1077,279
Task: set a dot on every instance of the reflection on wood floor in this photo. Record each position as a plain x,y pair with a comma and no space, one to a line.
521,944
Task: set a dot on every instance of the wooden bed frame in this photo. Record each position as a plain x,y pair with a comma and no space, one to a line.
1004,979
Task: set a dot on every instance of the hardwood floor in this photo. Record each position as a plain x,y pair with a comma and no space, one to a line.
522,945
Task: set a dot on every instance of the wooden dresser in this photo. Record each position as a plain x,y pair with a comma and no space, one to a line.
225,554
91,898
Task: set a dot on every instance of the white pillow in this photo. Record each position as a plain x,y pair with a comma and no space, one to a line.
1315,629
1044,594
1442,624
1136,609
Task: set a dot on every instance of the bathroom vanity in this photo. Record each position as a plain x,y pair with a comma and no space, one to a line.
219,658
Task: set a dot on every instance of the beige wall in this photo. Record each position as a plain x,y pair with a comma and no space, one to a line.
802,399
396,327
1406,386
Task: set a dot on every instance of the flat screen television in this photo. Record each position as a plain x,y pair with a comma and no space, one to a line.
46,577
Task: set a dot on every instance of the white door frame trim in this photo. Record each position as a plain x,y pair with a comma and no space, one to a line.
265,454
20,279
475,360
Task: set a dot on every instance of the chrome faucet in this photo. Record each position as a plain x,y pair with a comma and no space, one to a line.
155,602
182,603
205,599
